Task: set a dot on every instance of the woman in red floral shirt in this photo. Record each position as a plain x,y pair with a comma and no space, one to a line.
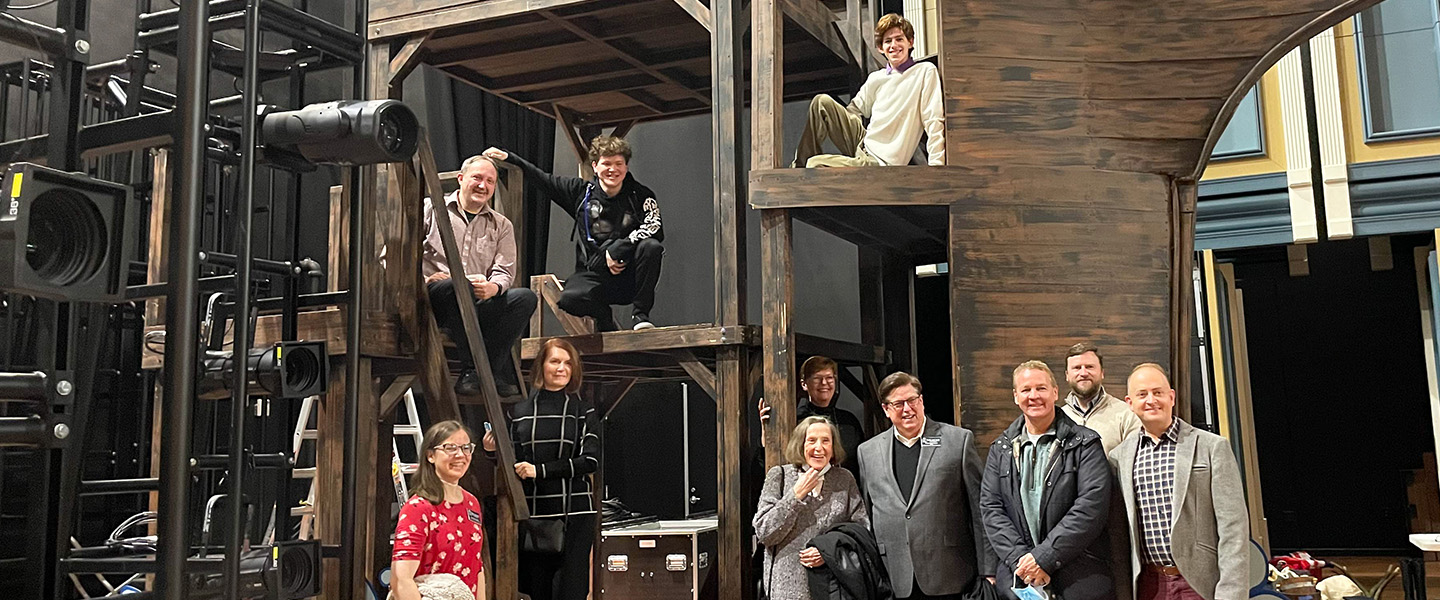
439,538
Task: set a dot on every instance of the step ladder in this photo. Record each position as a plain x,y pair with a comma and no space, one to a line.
399,471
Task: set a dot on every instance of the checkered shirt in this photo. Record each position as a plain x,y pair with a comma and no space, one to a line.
1154,480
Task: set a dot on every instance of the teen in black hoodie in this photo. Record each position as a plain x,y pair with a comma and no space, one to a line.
617,233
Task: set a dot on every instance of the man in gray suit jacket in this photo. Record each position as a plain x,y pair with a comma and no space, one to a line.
922,484
1184,500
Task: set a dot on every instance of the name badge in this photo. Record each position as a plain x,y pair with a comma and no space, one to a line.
930,442
474,517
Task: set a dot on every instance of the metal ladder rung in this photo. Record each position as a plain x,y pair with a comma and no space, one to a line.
407,430
310,434
305,473
300,511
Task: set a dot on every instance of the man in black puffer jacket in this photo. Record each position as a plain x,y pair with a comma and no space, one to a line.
1046,498
852,570
617,234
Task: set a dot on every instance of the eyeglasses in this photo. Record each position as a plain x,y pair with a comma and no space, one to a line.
455,449
823,378
898,404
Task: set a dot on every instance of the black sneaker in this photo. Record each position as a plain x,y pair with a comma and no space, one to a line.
642,322
468,384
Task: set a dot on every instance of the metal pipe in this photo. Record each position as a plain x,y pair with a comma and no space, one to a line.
182,306
350,483
22,431
245,253
264,265
23,386
171,16
27,34
101,487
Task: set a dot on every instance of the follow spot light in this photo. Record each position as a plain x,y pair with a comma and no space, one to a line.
64,236
286,370
288,570
346,132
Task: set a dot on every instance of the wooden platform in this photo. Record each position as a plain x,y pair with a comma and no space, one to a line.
327,324
672,353
603,62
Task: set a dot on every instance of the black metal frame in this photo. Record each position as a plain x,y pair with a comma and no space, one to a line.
73,332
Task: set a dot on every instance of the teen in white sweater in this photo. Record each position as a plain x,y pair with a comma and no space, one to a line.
900,101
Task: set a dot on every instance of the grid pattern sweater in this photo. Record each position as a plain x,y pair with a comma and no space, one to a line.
555,431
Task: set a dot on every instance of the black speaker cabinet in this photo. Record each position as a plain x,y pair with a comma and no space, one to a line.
665,560
65,236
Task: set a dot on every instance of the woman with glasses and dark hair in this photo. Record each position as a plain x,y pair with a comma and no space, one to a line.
439,538
556,450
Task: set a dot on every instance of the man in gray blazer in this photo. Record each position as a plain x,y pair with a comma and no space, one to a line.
1184,500
922,484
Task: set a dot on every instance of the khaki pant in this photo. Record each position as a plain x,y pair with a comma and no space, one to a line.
831,120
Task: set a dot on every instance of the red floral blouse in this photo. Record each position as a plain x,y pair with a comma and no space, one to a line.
445,537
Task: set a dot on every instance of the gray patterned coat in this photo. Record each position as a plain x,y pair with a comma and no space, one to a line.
785,525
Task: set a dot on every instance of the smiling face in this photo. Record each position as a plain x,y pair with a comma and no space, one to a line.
611,170
819,445
820,387
906,409
1084,374
477,185
451,466
1151,398
895,46
1035,394
557,369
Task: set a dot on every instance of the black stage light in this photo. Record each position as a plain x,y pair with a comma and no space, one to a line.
285,370
286,571
65,236
347,132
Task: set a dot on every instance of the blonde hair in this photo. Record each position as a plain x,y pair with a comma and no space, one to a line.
609,145
795,448
478,158
891,21
1032,365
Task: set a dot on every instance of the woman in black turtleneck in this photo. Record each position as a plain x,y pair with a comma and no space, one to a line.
817,379
556,450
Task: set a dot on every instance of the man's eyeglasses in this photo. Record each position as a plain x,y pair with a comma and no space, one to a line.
914,402
455,449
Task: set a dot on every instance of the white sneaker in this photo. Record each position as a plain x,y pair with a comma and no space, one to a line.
643,325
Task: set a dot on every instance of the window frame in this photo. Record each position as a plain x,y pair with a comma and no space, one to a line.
1249,152
1372,136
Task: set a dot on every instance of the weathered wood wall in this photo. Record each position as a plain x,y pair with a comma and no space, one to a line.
1123,99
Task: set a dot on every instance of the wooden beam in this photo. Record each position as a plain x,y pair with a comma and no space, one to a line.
623,129
818,21
570,123
856,34
326,325
659,338
699,11
408,58
547,288
611,48
1182,290
625,385
157,263
777,301
703,376
394,18
842,352
931,186
393,392
425,166
767,66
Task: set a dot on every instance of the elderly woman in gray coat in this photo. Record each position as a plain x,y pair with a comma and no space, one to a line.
802,500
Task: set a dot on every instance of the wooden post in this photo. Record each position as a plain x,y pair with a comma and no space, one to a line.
731,372
776,228
158,262
777,302
1182,290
